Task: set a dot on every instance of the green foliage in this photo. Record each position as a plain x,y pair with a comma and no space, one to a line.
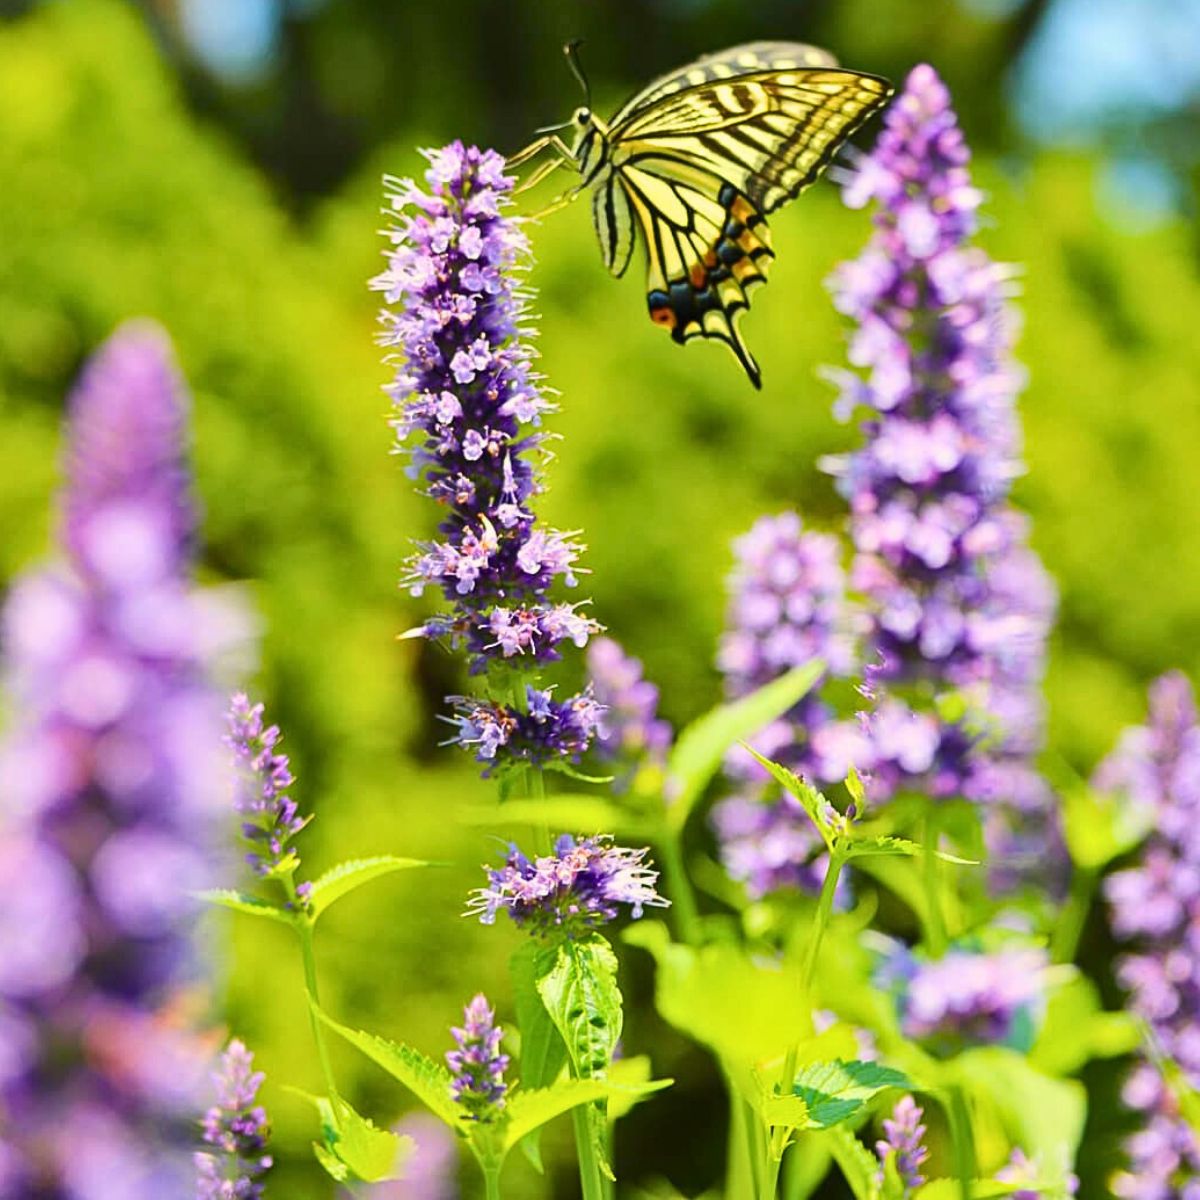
699,749
355,1149
836,1091
343,879
242,902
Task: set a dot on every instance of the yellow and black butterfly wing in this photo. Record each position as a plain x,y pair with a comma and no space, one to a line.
726,64
703,164
707,248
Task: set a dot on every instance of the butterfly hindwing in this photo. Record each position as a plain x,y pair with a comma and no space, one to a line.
613,218
705,257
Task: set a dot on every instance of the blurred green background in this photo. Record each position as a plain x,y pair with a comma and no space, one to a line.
216,164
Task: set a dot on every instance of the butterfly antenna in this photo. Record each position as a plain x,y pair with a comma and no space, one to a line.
571,50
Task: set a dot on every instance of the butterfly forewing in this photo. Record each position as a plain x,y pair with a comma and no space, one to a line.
738,60
613,218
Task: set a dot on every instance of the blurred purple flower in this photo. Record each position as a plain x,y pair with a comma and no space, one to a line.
966,997
237,1128
477,1064
1022,1169
903,1144
631,733
1156,905
787,607
581,886
109,800
264,777
465,382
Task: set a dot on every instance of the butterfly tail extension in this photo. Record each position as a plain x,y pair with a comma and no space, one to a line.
709,301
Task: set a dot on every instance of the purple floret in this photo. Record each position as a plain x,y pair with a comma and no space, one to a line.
584,884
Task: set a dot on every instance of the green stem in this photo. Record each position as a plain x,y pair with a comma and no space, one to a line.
491,1183
787,1078
740,1169
589,1167
679,887
1068,931
962,1139
935,923
307,954
771,1176
811,954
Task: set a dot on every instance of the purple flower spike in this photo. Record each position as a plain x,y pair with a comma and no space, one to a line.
478,1065
467,386
955,601
264,778
581,886
631,732
903,1143
787,607
1156,905
128,514
110,800
238,1129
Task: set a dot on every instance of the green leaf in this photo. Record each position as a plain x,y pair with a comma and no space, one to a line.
244,903
543,1052
745,1010
332,1164
528,1111
701,747
990,1189
578,987
856,1163
580,992
427,1080
630,1083
835,1091
882,846
1098,827
570,813
1042,1115
345,877
820,811
1075,1030
372,1154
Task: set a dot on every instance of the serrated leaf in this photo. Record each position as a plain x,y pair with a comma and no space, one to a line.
630,1083
427,1080
250,905
577,814
856,1163
339,881
814,804
835,1091
370,1153
888,845
543,1052
580,992
701,747
332,1164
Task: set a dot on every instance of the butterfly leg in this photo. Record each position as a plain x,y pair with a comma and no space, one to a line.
550,141
545,170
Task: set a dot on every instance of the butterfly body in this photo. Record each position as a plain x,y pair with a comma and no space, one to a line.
694,163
